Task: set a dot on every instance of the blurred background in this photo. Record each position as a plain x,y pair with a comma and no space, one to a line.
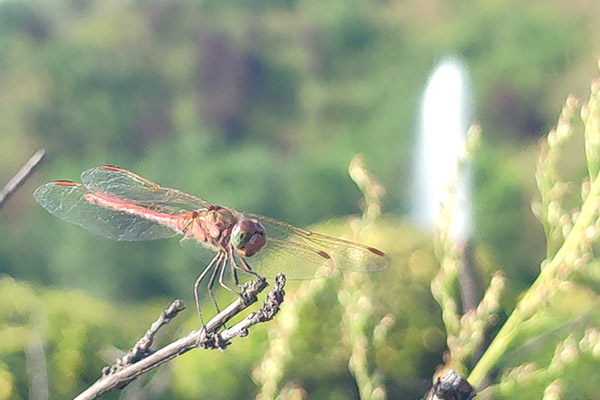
261,106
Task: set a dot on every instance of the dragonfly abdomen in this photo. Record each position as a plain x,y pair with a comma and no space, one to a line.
176,222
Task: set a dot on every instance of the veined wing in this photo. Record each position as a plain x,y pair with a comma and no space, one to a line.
67,200
125,184
202,251
346,254
295,260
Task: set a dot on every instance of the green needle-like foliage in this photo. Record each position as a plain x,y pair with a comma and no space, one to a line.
550,342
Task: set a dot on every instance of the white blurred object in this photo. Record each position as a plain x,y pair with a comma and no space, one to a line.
446,117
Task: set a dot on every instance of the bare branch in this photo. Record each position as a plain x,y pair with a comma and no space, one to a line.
20,177
142,347
141,359
266,313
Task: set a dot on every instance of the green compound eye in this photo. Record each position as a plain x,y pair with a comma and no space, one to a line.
238,238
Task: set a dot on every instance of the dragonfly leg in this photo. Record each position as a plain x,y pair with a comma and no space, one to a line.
221,275
248,268
235,278
235,268
211,281
197,285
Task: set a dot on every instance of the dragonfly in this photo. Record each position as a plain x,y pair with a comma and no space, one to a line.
118,204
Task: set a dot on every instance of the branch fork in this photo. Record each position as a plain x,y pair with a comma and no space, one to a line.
141,359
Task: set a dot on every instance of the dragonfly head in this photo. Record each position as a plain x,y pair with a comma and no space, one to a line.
248,237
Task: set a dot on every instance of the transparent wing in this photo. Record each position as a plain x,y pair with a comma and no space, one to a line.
346,254
67,201
295,260
202,251
125,184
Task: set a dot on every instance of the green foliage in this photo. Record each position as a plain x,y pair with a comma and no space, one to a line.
74,330
551,336
512,56
58,334
260,105
259,108
376,315
517,247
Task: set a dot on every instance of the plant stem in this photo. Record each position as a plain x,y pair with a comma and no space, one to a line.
20,177
534,296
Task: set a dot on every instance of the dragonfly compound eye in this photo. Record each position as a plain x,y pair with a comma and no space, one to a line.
248,237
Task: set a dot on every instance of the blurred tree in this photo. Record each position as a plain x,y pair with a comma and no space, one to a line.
261,106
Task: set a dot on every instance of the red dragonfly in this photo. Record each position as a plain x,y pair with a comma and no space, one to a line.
118,204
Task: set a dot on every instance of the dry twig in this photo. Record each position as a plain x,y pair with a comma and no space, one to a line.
16,181
140,359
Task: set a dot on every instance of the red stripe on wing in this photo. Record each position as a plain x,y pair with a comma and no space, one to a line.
64,183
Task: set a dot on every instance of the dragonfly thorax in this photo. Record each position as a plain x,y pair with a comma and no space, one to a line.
248,237
218,222
212,225
220,227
